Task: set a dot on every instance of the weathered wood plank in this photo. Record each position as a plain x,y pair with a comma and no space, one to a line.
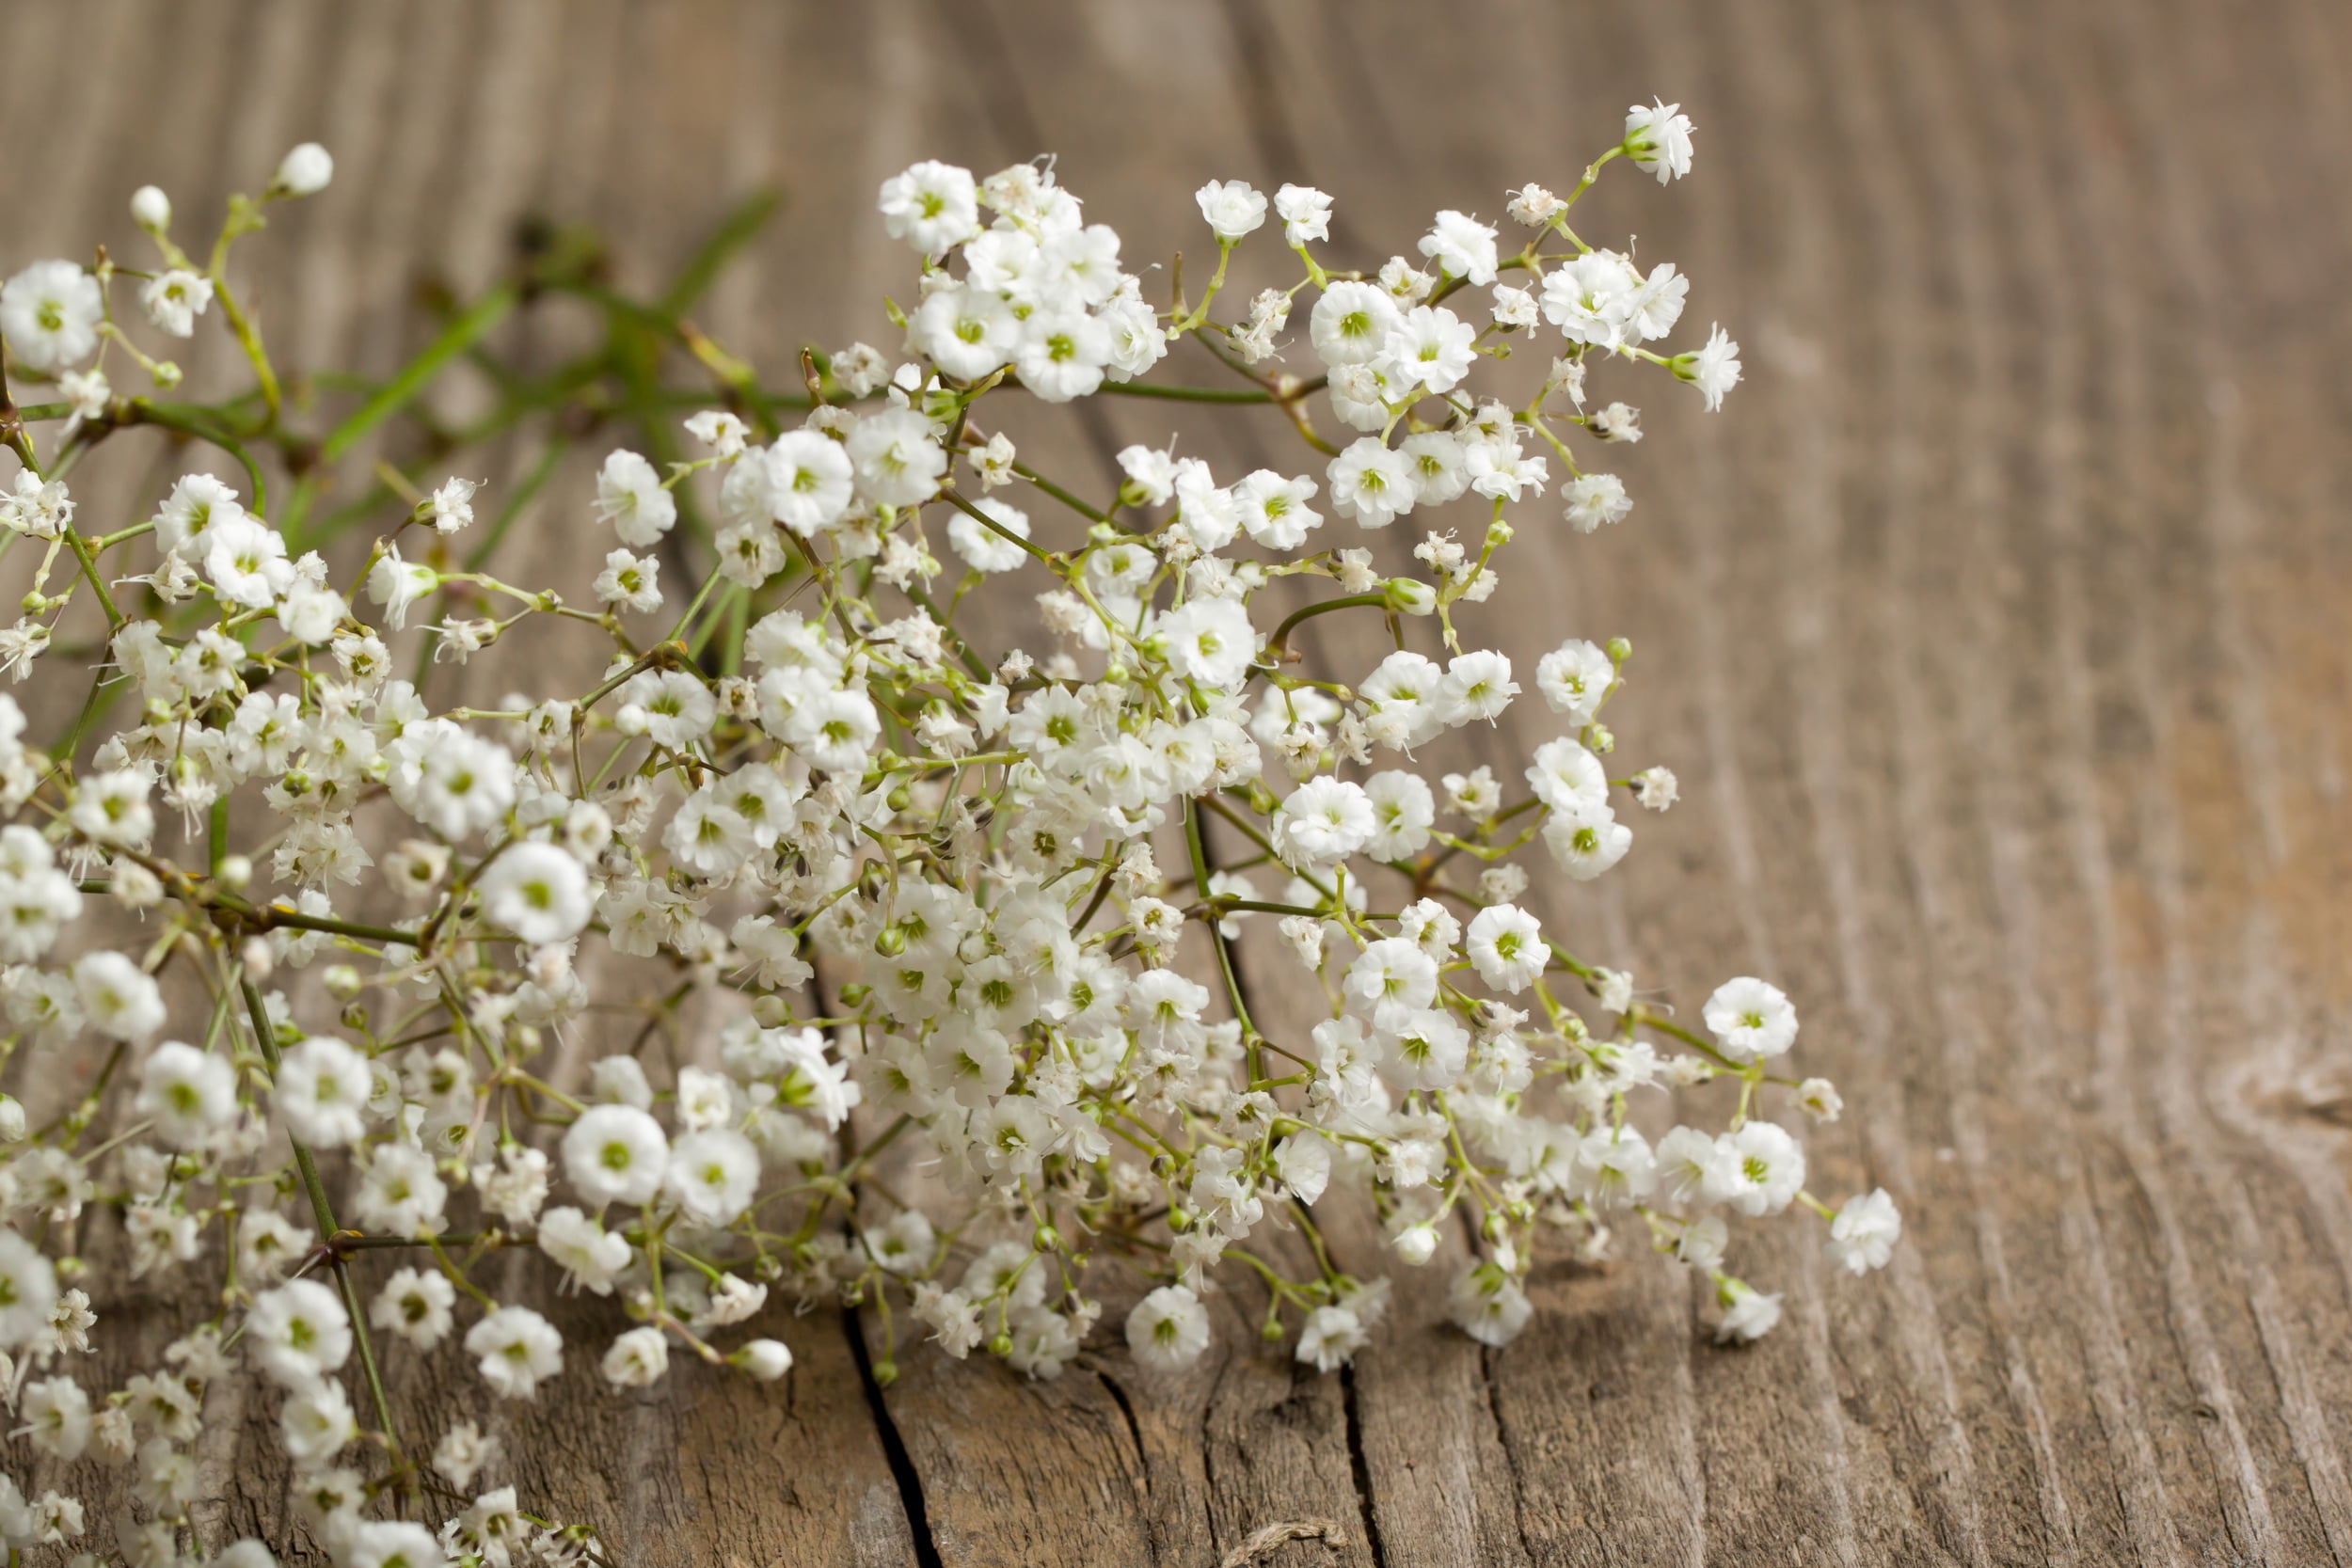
1995,630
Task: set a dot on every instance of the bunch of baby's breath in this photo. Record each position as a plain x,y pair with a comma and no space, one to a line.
821,948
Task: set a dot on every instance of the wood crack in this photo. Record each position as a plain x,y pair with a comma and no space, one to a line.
894,1447
1503,1441
1360,1468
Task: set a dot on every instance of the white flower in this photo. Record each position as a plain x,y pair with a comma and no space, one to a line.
1535,206
396,584
1566,777
968,332
722,432
416,1305
315,1423
1489,1306
111,808
637,1359
591,1257
452,504
1273,508
1430,347
29,1288
191,1094
517,1348
895,458
1573,678
1758,1170
304,171
615,1155
400,1192
322,1092
49,314
1478,685
1750,1018
1210,642
631,581
151,209
1306,214
1405,811
630,496
173,299
1587,840
118,1000
1325,819
1371,482
463,1451
984,551
1462,246
56,1417
1351,323
536,891
810,483
1169,1328
1060,355
1330,1337
1507,945
299,1332
1594,500
1230,208
932,206
1748,1313
1714,369
713,1175
1658,140
1864,1234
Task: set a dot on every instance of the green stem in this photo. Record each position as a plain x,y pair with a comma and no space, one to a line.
395,394
324,1214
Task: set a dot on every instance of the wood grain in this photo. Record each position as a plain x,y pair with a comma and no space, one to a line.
1997,630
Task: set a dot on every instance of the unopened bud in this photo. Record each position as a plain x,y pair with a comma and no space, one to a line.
343,982
151,209
304,171
258,960
235,873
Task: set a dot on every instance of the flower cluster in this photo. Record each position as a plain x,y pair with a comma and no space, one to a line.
807,950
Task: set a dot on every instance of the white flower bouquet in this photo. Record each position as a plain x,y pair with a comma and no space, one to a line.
809,947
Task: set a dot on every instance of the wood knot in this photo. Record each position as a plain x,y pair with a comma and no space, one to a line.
1265,1541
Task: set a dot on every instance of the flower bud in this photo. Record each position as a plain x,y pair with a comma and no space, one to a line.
11,1119
764,1360
304,171
151,209
1416,1243
1411,597
257,959
343,982
237,873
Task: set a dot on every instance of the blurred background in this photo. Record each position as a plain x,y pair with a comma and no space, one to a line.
1997,630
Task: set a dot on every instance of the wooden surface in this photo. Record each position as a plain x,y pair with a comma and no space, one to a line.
1997,631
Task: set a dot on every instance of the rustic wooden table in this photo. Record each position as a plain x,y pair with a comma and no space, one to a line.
1997,630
